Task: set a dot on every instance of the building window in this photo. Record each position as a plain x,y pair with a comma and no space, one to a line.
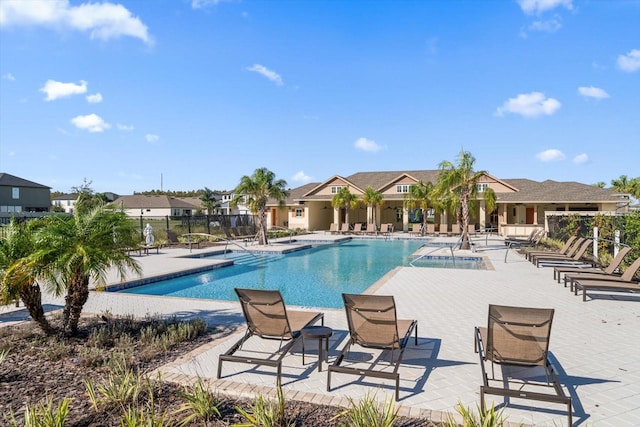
15,193
482,187
299,213
404,188
336,189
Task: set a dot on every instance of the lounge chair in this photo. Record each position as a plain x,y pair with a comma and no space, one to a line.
471,230
517,338
570,258
371,229
173,240
385,229
455,230
431,229
416,229
563,250
623,283
357,228
345,228
268,318
333,228
373,324
534,237
571,272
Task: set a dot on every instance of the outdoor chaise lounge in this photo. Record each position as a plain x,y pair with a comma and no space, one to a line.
333,228
455,230
573,256
534,238
357,228
416,230
268,318
385,229
563,250
345,228
431,229
517,339
624,283
373,324
371,229
570,272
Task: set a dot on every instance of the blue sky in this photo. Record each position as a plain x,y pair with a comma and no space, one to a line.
201,92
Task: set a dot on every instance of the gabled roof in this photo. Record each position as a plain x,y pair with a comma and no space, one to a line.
142,201
380,180
8,180
556,192
67,197
323,184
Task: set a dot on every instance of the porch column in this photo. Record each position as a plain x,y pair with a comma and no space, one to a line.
535,214
405,219
369,214
482,214
336,215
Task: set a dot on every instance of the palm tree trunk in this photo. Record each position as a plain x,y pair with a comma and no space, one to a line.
262,233
77,296
465,222
31,296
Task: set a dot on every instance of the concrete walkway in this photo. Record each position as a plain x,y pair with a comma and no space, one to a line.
595,345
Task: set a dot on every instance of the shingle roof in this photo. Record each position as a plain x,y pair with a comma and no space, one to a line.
8,180
138,201
557,192
67,197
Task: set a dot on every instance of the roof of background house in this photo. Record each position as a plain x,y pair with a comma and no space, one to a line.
9,180
73,196
138,201
557,192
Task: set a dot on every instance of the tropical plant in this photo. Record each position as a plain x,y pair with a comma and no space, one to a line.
44,415
372,198
18,274
255,191
369,413
266,413
483,418
70,251
209,200
421,195
457,188
345,199
200,404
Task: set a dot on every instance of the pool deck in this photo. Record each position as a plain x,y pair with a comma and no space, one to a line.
595,345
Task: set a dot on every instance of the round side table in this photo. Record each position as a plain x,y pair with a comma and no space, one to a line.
320,333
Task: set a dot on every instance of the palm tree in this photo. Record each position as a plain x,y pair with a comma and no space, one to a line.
209,200
255,191
626,185
372,198
73,250
345,199
421,195
18,276
457,187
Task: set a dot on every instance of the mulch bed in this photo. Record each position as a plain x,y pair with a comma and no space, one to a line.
38,368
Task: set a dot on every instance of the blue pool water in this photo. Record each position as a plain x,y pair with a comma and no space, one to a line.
314,277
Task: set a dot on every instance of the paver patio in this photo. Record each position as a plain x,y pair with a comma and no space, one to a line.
594,344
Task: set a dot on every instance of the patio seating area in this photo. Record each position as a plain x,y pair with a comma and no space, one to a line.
592,349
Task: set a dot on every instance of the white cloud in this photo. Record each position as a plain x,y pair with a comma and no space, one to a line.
532,7
91,122
269,74
581,158
96,98
551,155
124,128
56,90
9,77
630,62
548,26
201,4
592,92
103,21
150,137
529,105
369,145
301,177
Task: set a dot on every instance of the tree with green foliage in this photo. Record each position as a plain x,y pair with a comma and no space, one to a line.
627,186
457,188
72,250
372,198
345,199
18,275
255,191
209,200
421,195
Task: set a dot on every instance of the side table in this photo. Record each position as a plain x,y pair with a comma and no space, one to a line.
320,333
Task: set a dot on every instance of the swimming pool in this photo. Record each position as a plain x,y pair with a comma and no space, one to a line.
313,277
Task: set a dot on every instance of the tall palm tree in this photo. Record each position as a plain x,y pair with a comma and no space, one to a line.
372,198
626,185
345,199
255,191
420,196
457,187
209,200
74,250
18,276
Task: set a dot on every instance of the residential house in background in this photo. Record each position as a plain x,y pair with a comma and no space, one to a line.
522,204
22,198
67,202
155,206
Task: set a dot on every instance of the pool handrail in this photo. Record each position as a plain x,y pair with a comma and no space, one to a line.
277,227
435,249
227,242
